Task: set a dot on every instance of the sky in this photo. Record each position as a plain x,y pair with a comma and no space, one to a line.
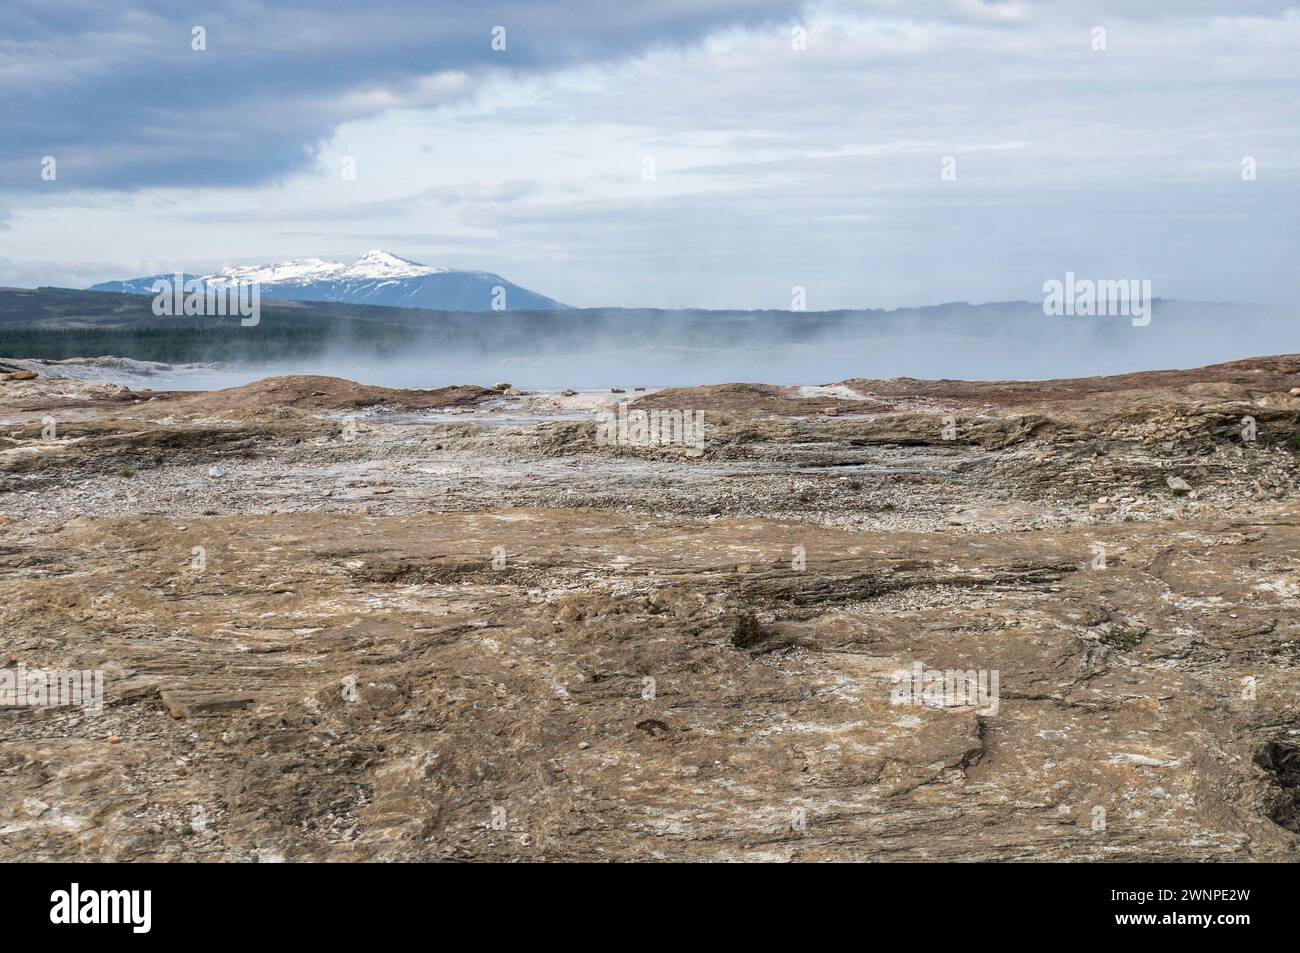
685,153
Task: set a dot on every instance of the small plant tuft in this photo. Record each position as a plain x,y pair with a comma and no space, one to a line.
746,631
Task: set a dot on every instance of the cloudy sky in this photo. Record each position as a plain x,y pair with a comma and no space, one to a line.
790,144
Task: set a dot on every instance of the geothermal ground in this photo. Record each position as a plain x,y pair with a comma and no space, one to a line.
459,626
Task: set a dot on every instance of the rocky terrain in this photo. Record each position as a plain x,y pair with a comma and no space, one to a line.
339,622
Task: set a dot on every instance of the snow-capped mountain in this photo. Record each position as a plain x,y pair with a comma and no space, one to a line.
377,277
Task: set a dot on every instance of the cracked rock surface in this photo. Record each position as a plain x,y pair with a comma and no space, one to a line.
457,637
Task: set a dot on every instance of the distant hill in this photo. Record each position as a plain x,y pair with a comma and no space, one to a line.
376,278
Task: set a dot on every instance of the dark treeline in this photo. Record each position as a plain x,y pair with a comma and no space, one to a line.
197,342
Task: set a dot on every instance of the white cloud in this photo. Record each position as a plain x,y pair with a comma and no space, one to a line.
775,166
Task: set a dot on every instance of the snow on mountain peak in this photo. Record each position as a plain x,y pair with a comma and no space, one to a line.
382,264
372,265
380,257
376,278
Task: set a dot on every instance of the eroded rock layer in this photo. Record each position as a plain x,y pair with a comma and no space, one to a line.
482,635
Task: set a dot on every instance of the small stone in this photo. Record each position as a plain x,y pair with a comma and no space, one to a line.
584,745
1178,484
216,472
363,511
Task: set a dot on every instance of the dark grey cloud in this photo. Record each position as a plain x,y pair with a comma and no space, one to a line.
118,96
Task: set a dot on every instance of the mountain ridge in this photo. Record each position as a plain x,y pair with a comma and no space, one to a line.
376,278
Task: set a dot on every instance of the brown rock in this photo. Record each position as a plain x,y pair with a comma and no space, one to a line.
185,703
